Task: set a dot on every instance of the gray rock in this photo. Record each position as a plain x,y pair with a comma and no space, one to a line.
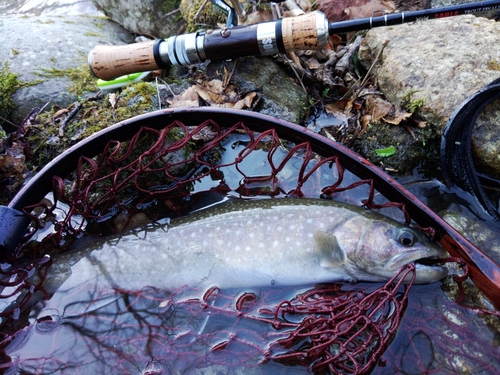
153,17
441,61
447,3
30,44
48,7
486,140
279,95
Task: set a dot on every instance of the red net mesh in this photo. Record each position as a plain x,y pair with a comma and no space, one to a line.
338,328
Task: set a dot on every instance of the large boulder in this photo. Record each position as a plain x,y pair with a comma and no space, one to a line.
43,49
438,63
158,18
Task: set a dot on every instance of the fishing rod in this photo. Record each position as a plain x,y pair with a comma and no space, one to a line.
307,32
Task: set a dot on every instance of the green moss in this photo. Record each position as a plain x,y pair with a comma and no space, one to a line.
418,150
197,18
46,22
9,83
93,33
410,104
167,6
493,65
94,115
81,78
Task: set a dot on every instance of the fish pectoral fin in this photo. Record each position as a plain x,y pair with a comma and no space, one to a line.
328,248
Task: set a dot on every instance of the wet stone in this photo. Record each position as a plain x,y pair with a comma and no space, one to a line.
38,47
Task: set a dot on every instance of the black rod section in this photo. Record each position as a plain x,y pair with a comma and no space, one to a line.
403,17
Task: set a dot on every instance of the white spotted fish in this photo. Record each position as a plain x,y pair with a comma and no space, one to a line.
248,244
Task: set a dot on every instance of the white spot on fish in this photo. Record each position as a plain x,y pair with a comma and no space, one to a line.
237,248
309,221
279,229
287,239
292,227
261,245
310,235
276,243
321,225
248,248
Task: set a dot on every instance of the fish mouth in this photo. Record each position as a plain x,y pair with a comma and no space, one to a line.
428,265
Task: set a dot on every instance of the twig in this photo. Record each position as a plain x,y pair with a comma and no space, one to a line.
200,9
367,75
68,118
228,77
344,62
158,93
8,122
374,62
292,65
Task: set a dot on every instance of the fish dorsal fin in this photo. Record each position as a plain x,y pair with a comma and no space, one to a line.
328,248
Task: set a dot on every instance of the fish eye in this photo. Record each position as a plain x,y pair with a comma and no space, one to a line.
406,237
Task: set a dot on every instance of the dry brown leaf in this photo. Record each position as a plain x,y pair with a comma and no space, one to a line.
377,107
112,98
397,117
188,98
257,17
213,93
248,99
342,10
59,114
313,63
371,8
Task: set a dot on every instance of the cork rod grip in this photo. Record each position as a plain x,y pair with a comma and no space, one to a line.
110,62
301,33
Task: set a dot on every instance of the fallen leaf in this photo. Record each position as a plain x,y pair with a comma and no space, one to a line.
377,107
396,116
313,63
257,17
59,114
342,10
188,98
112,98
369,9
214,94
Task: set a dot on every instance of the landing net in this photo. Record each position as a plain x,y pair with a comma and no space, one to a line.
168,173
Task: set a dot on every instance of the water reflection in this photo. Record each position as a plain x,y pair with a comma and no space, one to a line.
133,331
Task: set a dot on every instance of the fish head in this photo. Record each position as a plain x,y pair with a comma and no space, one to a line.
384,248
